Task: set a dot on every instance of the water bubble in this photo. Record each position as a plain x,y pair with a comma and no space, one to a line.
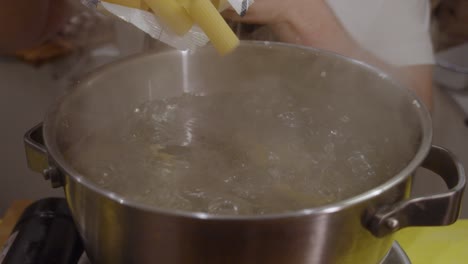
360,166
289,119
345,119
223,206
273,156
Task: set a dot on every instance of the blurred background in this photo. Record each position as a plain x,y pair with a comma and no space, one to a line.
32,80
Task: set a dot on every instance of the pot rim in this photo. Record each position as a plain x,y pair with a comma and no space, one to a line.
426,126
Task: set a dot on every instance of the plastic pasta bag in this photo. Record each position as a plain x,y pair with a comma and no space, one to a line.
182,24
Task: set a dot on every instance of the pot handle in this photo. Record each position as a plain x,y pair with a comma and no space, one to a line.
37,156
436,210
36,152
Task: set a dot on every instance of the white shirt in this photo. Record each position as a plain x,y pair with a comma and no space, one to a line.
396,31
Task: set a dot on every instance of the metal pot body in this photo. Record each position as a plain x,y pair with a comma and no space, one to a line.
117,233
356,230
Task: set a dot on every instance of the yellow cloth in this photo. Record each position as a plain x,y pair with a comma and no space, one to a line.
436,245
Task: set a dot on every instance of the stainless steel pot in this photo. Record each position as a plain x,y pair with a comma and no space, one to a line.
356,230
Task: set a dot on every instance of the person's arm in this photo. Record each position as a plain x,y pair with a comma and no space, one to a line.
419,79
25,23
313,23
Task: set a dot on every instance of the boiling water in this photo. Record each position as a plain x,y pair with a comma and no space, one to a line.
246,152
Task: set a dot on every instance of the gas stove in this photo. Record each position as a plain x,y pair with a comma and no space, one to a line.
46,234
